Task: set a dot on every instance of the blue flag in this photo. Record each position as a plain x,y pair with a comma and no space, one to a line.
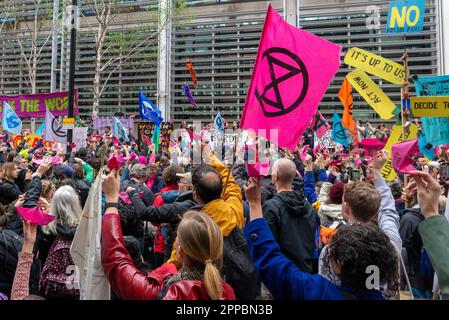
40,129
10,120
148,111
119,130
219,123
339,133
425,147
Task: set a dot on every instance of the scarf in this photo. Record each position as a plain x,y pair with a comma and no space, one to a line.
187,274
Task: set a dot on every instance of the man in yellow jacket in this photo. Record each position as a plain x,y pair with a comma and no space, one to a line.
220,196
215,192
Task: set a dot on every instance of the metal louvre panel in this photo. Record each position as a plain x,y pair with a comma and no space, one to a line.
223,55
222,44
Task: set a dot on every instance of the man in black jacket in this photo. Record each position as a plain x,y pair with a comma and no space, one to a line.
291,218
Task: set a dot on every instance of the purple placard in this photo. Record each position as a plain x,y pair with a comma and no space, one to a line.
34,105
102,122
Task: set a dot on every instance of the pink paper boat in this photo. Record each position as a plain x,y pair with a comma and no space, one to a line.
35,215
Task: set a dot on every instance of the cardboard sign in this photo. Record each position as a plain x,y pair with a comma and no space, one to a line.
396,136
372,94
406,16
430,106
325,140
147,129
375,65
31,140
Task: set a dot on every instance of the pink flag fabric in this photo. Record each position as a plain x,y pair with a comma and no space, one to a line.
35,215
292,71
258,169
401,156
319,125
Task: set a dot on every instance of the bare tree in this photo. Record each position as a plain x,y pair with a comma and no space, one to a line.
26,24
116,47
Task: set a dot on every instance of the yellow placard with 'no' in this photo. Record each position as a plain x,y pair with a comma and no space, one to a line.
396,136
374,95
375,65
430,106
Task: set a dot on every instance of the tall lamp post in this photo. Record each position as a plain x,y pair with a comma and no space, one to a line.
72,72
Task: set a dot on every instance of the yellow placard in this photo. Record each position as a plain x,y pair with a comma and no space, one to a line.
376,65
374,95
68,121
430,106
411,132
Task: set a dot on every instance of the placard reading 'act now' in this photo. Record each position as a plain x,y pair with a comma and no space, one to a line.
430,106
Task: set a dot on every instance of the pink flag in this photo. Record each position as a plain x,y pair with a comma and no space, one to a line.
292,71
258,169
319,125
401,156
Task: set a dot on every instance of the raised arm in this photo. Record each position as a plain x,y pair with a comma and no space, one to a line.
125,279
388,218
282,278
434,230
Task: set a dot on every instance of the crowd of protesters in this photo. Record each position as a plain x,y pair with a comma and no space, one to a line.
315,227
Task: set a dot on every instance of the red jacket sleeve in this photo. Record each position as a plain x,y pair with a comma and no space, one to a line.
158,201
125,279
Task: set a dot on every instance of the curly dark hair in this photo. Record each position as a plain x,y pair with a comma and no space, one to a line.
355,247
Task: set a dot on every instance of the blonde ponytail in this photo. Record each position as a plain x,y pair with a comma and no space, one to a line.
212,281
202,242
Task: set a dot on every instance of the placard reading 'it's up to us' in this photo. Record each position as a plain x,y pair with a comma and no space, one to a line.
375,65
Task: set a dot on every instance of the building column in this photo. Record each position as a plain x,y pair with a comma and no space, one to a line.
164,52
291,11
443,24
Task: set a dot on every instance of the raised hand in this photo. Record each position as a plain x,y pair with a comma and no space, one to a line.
111,186
29,236
428,190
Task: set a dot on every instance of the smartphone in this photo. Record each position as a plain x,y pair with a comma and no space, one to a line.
356,175
444,171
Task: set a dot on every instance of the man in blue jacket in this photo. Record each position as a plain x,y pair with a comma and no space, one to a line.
353,252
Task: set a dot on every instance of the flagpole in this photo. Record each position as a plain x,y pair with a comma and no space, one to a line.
72,73
404,96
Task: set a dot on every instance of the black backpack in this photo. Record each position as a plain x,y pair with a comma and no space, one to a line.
238,268
10,246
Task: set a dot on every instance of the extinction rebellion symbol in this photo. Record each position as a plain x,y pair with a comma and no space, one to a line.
272,101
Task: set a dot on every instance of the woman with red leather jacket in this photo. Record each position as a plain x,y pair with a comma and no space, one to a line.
198,279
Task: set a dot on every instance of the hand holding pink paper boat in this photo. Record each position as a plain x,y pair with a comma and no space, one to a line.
401,156
35,215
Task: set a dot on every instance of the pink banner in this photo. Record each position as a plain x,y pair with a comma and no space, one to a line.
292,71
34,105
401,156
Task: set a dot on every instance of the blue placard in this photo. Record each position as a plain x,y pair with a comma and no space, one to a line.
406,16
